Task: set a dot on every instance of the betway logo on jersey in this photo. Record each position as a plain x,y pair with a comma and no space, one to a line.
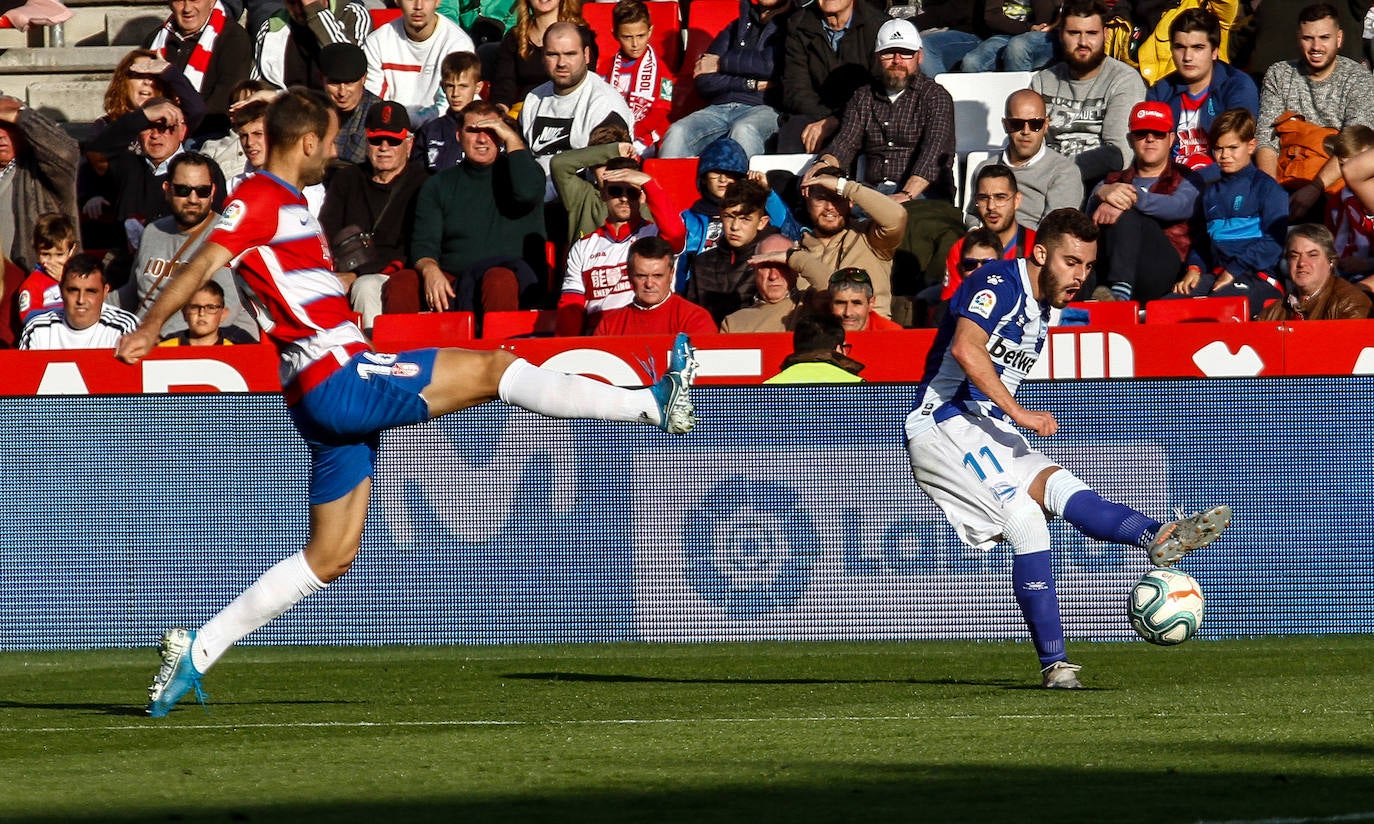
1005,353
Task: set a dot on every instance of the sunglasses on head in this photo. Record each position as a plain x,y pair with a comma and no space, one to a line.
1016,124
183,190
616,190
967,265
389,140
850,274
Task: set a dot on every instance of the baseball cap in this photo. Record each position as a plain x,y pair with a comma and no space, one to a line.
1151,116
898,34
343,63
387,119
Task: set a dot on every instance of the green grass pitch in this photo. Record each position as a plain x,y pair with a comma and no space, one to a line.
1274,730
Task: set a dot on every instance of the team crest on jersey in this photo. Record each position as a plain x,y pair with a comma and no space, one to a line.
983,303
665,89
24,302
993,280
232,216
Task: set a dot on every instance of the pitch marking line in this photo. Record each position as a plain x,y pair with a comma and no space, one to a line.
1330,819
805,719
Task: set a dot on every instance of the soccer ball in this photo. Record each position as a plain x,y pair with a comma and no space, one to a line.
1166,607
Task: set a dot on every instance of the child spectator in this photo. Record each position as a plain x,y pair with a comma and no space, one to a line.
205,315
639,77
437,141
722,280
1350,219
54,239
1246,213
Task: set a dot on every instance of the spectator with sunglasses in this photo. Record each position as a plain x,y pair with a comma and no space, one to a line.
851,299
1045,179
596,279
379,198
973,251
1144,211
169,242
997,203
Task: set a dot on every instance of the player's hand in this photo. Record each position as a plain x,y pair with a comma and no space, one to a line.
133,346
1039,422
817,133
1188,281
438,291
706,64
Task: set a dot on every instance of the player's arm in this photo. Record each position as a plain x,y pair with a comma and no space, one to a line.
183,285
970,349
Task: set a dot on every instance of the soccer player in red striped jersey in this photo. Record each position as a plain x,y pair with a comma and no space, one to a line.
339,391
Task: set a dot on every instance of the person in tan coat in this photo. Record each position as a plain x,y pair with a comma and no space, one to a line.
1317,291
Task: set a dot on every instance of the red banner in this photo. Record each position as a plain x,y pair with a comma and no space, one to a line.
1183,350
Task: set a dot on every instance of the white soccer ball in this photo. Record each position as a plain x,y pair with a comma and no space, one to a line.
1166,607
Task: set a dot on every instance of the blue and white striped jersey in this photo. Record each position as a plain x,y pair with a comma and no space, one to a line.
999,298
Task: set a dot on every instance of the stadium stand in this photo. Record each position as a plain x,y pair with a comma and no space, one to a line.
1109,313
399,332
530,323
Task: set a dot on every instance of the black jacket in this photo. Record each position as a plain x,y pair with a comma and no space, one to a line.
819,80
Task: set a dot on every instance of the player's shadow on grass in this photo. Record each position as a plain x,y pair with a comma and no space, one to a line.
141,710
619,678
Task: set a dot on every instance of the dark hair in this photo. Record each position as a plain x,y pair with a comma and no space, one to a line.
817,333
1191,20
1062,223
997,170
983,236
629,11
1084,8
297,112
1316,233
621,163
1240,121
458,62
481,109
613,132
652,247
51,229
247,113
248,88
191,159
747,194
81,265
212,287
1313,12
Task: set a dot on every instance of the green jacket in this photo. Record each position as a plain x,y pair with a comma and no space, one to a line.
586,209
469,213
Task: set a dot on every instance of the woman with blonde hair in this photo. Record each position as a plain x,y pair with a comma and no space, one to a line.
519,63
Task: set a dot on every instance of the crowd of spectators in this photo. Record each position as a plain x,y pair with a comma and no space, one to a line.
485,170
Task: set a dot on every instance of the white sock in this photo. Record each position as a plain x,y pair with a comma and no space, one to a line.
276,591
560,395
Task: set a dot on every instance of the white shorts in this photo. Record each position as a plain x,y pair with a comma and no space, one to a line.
976,469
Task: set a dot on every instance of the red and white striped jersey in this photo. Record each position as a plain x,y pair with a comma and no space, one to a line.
407,72
283,262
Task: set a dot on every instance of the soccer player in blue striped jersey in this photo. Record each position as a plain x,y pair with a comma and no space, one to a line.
979,469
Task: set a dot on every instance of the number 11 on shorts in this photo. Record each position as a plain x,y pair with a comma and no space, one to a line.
972,463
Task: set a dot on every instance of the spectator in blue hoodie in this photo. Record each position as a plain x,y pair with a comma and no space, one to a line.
1201,88
739,77
1246,213
723,162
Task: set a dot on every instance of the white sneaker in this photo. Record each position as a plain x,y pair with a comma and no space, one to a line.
1061,675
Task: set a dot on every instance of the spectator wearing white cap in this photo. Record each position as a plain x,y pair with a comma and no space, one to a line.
902,123
1144,212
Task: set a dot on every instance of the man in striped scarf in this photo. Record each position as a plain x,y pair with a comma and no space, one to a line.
213,51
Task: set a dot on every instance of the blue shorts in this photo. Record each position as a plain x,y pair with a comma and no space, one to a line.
342,419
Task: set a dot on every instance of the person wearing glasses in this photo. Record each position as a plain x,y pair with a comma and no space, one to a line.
595,278
997,204
378,198
1143,212
204,316
171,241
968,453
973,251
1045,179
1088,94
850,297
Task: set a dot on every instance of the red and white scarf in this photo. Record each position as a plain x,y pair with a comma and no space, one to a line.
642,92
199,61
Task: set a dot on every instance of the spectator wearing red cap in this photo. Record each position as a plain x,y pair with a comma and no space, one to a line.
1143,210
1200,88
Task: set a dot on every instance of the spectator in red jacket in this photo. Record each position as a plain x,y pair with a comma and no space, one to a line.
656,309
640,76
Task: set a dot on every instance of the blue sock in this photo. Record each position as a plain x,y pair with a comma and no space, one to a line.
1032,576
1106,520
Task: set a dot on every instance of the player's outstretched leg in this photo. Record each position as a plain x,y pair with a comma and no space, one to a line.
667,404
1032,574
1095,516
177,675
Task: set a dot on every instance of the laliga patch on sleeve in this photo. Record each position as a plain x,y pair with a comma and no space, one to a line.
983,303
232,216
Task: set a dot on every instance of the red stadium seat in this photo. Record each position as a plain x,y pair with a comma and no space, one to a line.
398,332
705,20
667,36
1193,310
1109,312
380,17
679,176
538,323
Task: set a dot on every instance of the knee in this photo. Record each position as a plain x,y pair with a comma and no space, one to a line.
330,563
